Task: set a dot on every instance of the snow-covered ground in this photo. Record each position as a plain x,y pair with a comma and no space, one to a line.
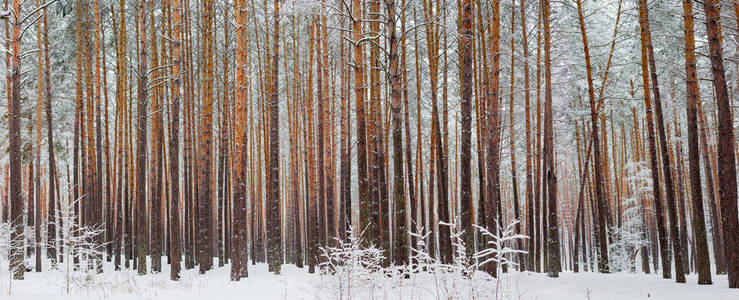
296,283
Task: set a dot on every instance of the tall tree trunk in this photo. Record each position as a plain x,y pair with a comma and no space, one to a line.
401,248
669,185
51,204
512,137
273,197
410,190
656,190
155,163
467,40
492,207
366,222
699,228
240,258
174,139
603,265
345,192
726,151
529,154
708,170
553,267
141,149
204,199
14,150
37,179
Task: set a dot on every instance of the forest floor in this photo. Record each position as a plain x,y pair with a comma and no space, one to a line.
296,283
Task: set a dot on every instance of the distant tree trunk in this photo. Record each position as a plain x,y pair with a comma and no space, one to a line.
141,149
703,265
726,151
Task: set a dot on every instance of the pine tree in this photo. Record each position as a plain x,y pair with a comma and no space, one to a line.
240,261
174,139
14,151
693,93
726,151
141,138
467,39
205,149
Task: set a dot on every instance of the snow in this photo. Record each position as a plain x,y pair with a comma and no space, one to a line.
296,283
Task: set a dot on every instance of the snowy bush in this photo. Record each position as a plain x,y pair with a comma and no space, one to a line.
501,254
349,269
5,245
81,253
464,278
629,238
